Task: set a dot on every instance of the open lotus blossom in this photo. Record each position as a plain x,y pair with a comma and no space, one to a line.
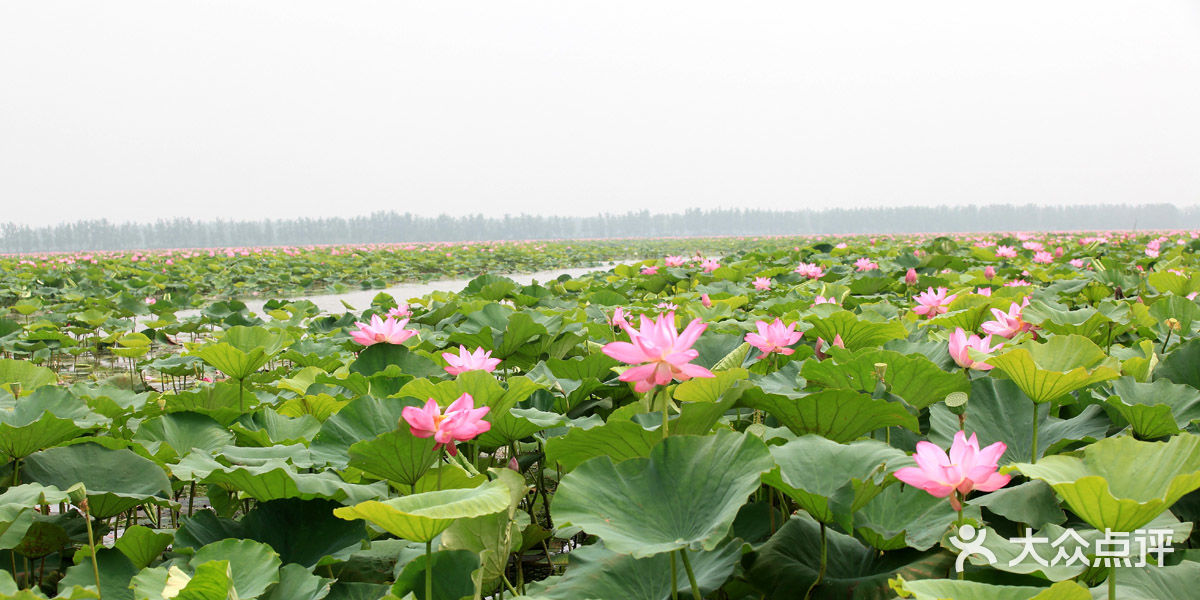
774,337
400,311
1033,246
674,261
660,353
1006,252
961,345
389,331
1076,262
811,270
819,299
965,469
1019,283
1043,257
984,291
1006,324
820,346
865,264
762,283
932,303
461,422
650,270
910,278
709,265
464,361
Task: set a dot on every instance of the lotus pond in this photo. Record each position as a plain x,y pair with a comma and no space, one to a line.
964,417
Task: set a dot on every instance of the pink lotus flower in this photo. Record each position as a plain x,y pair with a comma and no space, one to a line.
400,311
660,353
1006,324
762,283
650,270
388,331
910,278
961,345
674,261
932,303
811,270
965,469
819,299
1034,246
470,361
618,318
774,337
1017,283
150,301
461,422
709,265
989,272
1077,263
1006,252
984,291
705,301
865,264
1043,257
820,345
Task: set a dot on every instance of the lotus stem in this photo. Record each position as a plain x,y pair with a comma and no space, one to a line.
674,579
87,519
429,570
1112,583
687,566
1033,451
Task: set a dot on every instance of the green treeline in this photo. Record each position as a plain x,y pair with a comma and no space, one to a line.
405,227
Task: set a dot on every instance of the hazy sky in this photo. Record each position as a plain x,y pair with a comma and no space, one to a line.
251,109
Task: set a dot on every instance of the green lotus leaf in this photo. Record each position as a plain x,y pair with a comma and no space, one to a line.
788,564
235,363
46,417
618,440
272,479
452,575
1153,583
998,411
398,456
304,532
1063,364
803,472
364,418
687,493
915,379
253,565
212,580
1179,365
421,517
298,583
142,545
1032,503
17,510
840,415
171,436
855,332
267,428
1121,483
596,573
116,571
709,389
902,515
948,589
492,538
116,480
21,377
1157,409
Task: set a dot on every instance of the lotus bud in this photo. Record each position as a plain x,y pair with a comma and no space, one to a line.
989,273
910,277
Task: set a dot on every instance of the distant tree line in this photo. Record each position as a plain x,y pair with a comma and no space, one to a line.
404,227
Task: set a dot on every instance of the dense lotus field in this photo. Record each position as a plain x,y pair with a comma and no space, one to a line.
966,417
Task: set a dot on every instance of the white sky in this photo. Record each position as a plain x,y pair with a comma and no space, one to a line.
253,109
